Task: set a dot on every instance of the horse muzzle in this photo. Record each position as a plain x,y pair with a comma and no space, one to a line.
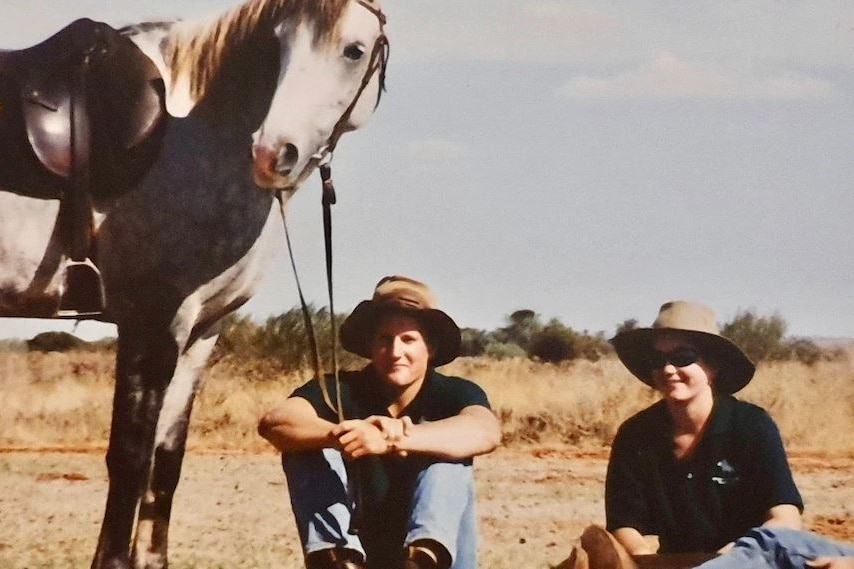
277,168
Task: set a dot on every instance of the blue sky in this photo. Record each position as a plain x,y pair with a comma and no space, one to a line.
586,160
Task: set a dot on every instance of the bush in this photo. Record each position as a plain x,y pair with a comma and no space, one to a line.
554,343
522,326
283,340
627,326
557,343
803,350
474,342
593,347
504,351
237,336
55,342
760,337
763,338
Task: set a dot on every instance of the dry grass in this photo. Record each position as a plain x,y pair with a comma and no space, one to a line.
583,403
64,400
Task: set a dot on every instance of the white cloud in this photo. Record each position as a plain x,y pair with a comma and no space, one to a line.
669,77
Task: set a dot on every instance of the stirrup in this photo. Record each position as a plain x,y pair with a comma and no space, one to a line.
82,291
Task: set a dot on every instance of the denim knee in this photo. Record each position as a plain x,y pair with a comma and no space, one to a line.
317,483
443,510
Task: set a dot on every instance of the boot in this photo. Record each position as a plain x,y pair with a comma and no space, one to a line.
604,551
577,560
426,554
335,558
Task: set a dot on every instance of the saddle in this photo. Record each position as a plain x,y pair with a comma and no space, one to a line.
81,118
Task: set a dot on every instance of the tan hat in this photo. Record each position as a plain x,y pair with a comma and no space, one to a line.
697,323
402,295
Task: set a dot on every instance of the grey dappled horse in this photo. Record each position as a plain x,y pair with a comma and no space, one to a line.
257,97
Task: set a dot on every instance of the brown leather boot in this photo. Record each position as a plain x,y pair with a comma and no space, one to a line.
335,558
426,554
604,551
577,560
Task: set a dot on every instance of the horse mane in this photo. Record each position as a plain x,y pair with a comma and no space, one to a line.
198,50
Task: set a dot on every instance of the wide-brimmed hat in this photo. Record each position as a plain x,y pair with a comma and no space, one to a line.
402,295
697,324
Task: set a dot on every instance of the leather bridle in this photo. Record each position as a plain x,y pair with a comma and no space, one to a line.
376,64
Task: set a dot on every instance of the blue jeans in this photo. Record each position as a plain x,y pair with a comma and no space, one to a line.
777,548
443,505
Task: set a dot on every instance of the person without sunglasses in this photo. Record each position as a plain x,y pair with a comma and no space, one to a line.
406,444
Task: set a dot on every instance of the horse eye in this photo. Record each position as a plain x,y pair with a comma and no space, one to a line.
354,52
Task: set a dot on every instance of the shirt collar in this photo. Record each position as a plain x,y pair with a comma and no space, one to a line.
720,420
378,403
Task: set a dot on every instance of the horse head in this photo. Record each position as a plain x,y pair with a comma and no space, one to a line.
332,70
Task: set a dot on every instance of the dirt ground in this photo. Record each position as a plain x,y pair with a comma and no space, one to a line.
231,510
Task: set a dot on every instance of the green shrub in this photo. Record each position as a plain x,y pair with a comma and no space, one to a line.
283,340
627,326
593,347
557,342
503,351
474,341
522,326
801,349
760,337
55,342
763,338
554,343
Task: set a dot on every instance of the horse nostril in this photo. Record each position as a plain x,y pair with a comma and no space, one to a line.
286,158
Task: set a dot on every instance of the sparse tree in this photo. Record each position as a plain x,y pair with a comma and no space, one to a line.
627,325
521,327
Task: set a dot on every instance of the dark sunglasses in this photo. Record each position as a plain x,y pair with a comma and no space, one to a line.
680,358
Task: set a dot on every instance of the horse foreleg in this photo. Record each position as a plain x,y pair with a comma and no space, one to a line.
152,532
145,363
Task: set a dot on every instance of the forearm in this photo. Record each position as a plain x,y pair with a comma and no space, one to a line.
784,516
632,540
474,431
293,428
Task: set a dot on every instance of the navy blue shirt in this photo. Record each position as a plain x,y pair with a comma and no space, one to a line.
737,472
386,482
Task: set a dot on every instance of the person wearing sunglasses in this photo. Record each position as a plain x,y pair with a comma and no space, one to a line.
703,471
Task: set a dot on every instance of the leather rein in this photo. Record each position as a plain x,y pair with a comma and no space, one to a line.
376,64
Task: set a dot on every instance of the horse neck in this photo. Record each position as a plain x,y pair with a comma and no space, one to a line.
243,87
190,55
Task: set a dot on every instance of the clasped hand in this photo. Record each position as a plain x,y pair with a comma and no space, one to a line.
375,435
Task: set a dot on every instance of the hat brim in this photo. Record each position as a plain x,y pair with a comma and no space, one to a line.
734,368
443,334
